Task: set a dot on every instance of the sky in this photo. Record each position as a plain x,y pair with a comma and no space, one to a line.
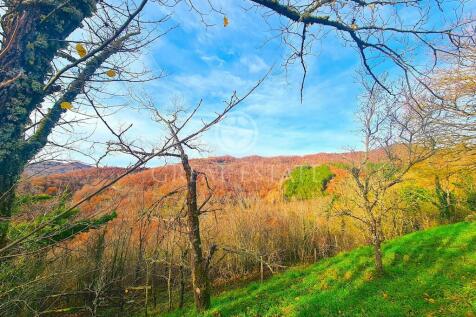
209,63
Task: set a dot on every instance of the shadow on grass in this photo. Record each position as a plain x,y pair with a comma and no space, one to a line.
428,273
424,272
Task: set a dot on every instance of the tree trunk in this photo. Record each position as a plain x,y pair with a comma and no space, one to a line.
146,289
169,286
155,281
198,264
6,203
182,283
200,281
25,62
377,244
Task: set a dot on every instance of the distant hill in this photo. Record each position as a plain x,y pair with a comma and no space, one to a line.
429,273
252,176
54,167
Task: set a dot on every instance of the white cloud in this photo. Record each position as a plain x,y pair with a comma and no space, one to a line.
211,63
255,64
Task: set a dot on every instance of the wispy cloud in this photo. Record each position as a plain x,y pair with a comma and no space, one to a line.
210,63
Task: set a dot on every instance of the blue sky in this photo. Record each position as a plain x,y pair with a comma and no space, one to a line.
209,63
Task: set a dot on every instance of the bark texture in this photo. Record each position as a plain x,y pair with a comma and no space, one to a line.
34,33
200,280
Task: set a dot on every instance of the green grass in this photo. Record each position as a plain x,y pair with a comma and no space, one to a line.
428,273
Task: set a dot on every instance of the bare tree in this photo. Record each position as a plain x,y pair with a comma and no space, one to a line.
396,137
456,83
381,32
199,262
174,146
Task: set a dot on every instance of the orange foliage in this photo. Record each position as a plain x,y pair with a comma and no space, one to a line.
52,190
234,181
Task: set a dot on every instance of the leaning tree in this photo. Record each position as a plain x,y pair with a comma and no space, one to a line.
50,53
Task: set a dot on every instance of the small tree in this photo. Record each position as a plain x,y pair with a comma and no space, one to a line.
175,146
199,262
396,138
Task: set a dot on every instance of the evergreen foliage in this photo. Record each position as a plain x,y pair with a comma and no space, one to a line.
62,228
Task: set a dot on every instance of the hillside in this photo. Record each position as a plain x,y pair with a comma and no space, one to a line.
429,273
53,167
229,176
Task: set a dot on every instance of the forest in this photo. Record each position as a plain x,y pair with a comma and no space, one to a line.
237,158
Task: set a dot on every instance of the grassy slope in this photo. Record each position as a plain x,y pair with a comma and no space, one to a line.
429,273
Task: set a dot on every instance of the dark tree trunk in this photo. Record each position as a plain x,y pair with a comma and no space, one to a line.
30,43
155,271
200,281
7,196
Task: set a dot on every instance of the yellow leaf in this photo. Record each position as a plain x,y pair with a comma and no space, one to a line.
385,295
111,73
81,50
225,21
66,105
